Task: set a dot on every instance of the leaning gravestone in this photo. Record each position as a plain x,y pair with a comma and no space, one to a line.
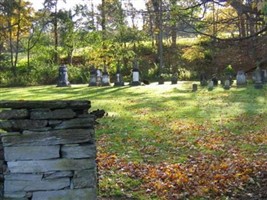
241,78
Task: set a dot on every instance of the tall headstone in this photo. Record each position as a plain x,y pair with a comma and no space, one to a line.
227,84
135,74
161,80
105,79
92,81
174,78
98,77
258,78
203,79
119,78
241,78
210,85
63,77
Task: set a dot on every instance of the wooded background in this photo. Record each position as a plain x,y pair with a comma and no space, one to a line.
166,37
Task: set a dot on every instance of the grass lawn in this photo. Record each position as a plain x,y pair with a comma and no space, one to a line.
166,142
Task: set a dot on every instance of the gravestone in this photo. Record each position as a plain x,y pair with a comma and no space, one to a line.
210,85
215,80
63,77
135,74
203,79
92,81
105,79
264,76
174,78
258,78
194,87
119,79
98,77
241,78
227,84
161,80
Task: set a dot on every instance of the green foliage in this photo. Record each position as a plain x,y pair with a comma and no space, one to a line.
78,74
229,70
194,53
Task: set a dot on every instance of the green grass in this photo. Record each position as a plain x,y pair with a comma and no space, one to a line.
155,124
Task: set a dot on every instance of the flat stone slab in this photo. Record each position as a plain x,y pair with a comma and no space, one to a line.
46,104
77,123
14,114
53,137
35,185
84,179
80,194
52,114
39,166
31,152
78,151
22,124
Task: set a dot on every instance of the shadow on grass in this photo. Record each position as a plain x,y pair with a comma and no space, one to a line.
251,100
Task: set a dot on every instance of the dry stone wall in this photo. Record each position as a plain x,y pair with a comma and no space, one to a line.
47,150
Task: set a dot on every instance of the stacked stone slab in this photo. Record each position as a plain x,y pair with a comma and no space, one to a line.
49,150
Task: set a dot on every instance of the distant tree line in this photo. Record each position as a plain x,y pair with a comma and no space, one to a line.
114,32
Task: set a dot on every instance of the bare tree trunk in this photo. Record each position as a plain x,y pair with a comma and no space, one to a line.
56,35
18,35
150,17
157,4
103,25
242,27
173,27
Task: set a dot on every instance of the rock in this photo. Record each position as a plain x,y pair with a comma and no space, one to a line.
31,153
22,124
53,137
38,166
14,114
53,104
78,151
55,114
80,194
84,179
77,123
35,185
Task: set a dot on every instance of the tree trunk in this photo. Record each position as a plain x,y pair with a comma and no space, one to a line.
103,25
173,26
242,26
56,35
